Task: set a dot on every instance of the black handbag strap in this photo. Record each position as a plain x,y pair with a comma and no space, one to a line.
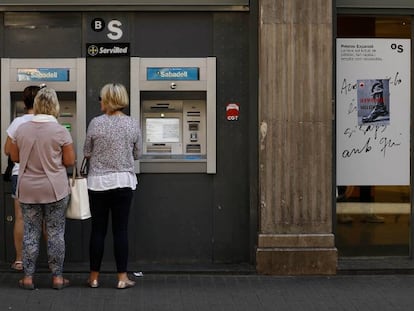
84,167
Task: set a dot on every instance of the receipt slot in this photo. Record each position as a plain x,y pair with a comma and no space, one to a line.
66,76
175,101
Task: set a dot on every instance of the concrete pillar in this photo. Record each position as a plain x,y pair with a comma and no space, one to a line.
295,156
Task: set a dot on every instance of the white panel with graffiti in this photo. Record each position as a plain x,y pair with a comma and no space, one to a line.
373,111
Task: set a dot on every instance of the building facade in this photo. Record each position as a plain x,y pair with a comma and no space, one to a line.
266,179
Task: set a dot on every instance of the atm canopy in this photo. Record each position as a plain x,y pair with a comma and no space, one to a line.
125,5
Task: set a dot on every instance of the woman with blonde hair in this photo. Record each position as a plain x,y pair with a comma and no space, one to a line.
44,149
113,142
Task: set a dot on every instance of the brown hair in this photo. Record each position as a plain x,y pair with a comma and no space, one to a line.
29,94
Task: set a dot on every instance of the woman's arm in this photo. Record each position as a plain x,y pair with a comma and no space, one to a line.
68,156
7,145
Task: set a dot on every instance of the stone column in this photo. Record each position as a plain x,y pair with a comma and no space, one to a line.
295,156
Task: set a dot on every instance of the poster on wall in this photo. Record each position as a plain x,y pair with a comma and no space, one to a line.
373,111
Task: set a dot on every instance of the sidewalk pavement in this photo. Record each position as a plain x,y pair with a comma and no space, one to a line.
213,292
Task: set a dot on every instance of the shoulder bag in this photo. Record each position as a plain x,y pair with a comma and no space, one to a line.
79,199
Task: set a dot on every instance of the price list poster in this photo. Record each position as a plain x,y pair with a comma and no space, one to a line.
373,111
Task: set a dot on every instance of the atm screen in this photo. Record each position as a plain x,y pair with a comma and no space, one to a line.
162,130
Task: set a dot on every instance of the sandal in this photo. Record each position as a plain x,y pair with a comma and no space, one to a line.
17,265
93,283
29,286
60,285
125,284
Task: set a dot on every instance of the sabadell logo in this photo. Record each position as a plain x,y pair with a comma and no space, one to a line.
45,74
171,74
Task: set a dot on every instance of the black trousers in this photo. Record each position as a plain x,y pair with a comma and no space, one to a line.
117,203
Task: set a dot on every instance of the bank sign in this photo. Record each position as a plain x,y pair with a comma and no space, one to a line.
173,73
107,49
42,74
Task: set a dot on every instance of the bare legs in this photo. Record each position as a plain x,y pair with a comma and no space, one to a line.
18,235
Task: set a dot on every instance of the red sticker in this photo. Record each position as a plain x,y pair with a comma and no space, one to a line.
232,111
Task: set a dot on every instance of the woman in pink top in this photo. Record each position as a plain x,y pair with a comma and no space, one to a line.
29,94
44,149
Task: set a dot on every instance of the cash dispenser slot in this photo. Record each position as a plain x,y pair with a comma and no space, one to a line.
159,148
193,113
193,148
161,106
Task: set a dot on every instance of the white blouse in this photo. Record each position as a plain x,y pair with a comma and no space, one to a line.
112,181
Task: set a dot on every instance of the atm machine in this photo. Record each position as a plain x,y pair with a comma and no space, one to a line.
66,75
175,101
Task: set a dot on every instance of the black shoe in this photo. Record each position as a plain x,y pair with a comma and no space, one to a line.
375,114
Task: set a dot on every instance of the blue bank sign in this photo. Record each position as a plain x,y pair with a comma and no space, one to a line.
173,73
42,74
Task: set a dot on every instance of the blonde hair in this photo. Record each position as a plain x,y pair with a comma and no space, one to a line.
46,102
114,97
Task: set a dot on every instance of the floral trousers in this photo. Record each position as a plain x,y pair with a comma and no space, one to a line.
53,217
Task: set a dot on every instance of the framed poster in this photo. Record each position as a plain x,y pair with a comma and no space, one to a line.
373,111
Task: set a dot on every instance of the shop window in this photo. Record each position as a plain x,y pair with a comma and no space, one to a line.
373,220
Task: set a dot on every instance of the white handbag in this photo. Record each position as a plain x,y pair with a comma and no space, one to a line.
78,207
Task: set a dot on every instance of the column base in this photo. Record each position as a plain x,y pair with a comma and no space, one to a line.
299,255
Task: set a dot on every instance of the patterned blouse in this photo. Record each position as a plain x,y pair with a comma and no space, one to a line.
112,143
